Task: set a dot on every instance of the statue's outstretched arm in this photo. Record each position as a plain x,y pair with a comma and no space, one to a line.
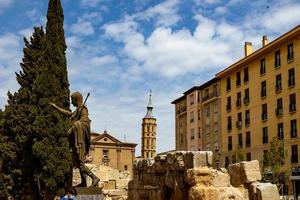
63,111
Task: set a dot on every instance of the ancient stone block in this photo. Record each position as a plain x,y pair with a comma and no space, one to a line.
267,191
244,172
200,192
220,179
199,176
229,193
199,159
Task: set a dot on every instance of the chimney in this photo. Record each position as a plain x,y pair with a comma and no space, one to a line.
248,48
265,40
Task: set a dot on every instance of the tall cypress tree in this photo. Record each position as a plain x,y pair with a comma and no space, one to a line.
50,143
33,137
16,124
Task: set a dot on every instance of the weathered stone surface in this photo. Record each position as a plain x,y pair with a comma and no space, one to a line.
267,191
244,172
220,179
199,176
229,193
189,176
200,192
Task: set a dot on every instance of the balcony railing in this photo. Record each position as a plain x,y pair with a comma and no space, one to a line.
210,96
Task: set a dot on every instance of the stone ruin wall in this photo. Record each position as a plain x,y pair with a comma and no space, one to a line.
187,175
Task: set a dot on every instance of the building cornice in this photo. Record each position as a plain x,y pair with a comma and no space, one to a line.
260,52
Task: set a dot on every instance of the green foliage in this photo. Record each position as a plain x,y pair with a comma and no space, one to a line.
273,160
239,155
34,144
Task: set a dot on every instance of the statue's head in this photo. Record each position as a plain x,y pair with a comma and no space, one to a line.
77,99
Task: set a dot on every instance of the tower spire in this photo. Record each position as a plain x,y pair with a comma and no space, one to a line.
149,107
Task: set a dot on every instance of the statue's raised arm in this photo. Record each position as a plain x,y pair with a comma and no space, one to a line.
63,111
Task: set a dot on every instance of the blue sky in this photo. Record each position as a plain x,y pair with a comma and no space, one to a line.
120,49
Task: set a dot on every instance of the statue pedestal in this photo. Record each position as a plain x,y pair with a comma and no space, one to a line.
90,193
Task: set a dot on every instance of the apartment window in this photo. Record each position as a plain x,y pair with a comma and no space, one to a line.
206,93
263,92
265,135
215,90
199,114
247,97
293,128
192,134
228,106
290,52
264,114
262,66
240,139
229,123
248,139
238,99
294,156
199,132
192,99
246,74
247,117
292,105
279,109
239,120
277,59
229,143
278,85
226,161
238,78
280,131
248,156
181,138
291,81
192,117
228,85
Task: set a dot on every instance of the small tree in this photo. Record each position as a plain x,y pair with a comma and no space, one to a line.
273,161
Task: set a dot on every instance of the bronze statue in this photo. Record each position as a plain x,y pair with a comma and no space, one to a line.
79,135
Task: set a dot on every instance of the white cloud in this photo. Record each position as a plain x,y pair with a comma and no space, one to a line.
163,14
172,53
82,28
10,52
85,24
5,3
90,3
281,18
202,2
26,33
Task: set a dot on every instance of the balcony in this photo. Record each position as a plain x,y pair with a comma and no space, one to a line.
181,110
210,96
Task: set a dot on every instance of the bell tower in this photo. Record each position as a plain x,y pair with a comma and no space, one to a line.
148,149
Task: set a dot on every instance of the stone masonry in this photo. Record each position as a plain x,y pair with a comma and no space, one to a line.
188,175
